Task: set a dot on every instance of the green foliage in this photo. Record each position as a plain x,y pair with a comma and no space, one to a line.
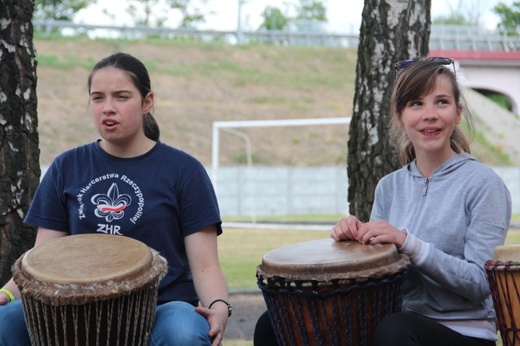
141,11
509,18
191,15
274,19
463,13
59,9
307,10
501,100
311,10
452,19
154,13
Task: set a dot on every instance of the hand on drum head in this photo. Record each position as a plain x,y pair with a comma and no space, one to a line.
350,228
375,232
346,229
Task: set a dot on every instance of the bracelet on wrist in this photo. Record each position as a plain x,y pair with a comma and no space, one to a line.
9,294
229,307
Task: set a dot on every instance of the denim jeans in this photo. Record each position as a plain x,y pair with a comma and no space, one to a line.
176,323
12,325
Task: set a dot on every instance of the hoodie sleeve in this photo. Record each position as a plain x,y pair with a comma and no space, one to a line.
488,213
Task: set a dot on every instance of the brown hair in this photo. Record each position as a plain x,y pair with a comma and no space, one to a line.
412,82
141,79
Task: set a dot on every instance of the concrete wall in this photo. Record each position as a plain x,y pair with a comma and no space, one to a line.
282,190
302,190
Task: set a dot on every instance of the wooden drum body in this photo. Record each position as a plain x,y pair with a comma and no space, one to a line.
504,280
330,293
90,289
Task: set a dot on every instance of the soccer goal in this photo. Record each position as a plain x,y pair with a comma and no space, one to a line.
230,125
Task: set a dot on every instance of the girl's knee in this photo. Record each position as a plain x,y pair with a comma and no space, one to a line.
177,323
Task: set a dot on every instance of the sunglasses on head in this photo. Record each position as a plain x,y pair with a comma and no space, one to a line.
436,59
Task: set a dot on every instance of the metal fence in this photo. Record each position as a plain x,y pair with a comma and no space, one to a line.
442,36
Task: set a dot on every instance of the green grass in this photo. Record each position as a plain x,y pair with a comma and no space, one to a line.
67,63
241,250
308,218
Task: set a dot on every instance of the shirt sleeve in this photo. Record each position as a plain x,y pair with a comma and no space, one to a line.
48,208
199,206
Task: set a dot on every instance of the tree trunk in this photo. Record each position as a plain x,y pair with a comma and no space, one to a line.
391,30
19,153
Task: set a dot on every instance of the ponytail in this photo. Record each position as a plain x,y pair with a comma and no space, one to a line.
151,128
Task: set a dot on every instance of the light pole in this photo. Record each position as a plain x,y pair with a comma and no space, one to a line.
239,24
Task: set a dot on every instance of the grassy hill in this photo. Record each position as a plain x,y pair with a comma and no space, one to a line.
199,83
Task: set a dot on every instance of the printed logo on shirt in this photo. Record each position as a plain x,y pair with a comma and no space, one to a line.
111,203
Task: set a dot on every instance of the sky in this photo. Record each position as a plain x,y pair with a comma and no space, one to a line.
344,16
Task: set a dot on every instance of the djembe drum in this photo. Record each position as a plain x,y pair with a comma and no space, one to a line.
90,289
503,273
330,293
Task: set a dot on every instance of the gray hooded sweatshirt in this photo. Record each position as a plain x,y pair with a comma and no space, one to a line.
454,220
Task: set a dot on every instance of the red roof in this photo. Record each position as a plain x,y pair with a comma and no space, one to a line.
476,54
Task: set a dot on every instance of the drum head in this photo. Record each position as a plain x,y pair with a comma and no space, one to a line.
87,258
507,253
79,269
327,259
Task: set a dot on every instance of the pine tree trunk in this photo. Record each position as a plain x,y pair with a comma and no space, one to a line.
19,153
391,30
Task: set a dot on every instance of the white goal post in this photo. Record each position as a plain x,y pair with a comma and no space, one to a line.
217,125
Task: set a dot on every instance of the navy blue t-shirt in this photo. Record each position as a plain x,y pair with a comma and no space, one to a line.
158,198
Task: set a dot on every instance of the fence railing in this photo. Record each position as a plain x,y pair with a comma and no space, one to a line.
442,36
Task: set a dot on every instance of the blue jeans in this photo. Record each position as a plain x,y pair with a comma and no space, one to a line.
176,323
12,325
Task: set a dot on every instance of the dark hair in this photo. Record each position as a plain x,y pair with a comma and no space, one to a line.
411,83
140,78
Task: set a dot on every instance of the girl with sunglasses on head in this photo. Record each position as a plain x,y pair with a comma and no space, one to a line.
444,209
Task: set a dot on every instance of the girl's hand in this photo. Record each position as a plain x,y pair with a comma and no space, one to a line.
346,229
4,298
380,232
217,320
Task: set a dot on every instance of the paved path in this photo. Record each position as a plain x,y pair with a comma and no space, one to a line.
247,307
